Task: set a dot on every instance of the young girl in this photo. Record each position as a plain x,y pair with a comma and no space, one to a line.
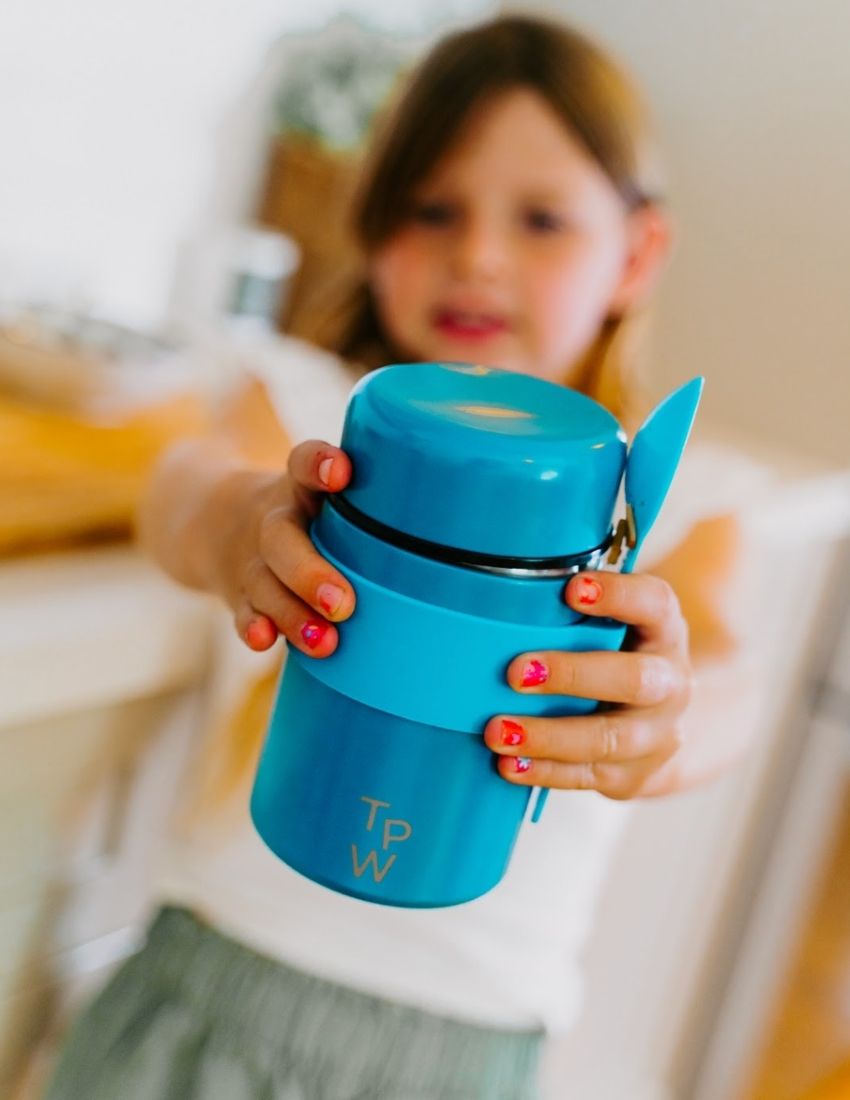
509,215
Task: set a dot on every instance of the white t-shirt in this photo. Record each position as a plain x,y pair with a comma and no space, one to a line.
511,958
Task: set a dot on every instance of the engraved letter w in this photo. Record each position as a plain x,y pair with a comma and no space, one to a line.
372,858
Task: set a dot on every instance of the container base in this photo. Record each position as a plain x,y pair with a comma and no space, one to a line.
378,807
364,895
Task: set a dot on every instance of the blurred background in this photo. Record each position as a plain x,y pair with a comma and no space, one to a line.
172,183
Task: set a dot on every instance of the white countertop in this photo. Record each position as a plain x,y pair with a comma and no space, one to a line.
88,628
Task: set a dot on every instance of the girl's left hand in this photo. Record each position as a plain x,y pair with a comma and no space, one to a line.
626,751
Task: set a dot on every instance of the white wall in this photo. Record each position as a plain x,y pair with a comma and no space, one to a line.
128,126
753,101
118,119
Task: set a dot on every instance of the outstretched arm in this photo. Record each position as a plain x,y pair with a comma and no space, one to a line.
229,513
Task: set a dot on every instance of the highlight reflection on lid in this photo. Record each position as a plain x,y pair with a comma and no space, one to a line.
466,368
496,410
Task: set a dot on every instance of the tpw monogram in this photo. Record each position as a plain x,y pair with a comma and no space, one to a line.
395,831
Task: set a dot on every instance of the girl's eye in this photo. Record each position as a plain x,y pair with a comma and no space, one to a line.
432,213
544,221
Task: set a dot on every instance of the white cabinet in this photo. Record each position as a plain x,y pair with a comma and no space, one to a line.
100,663
708,886
787,847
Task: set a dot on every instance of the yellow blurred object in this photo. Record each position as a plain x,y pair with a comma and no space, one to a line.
66,477
33,369
834,1087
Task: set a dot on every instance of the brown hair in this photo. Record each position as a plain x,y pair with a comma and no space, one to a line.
597,102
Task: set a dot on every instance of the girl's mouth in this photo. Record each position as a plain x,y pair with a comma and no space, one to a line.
468,325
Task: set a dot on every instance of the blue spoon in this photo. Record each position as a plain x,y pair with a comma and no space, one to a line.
654,458
650,468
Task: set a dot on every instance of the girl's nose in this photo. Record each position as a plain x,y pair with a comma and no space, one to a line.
479,249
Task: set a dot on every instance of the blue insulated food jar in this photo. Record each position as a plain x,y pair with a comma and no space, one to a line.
475,494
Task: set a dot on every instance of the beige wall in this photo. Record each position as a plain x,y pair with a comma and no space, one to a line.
753,102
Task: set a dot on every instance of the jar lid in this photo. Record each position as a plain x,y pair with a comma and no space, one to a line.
483,460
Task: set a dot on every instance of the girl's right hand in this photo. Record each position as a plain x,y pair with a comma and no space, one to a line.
260,558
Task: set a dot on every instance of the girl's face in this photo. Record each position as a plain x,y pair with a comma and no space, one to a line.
515,250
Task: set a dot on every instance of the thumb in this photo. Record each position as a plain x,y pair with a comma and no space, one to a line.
317,467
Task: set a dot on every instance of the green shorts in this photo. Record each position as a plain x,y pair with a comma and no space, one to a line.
197,1016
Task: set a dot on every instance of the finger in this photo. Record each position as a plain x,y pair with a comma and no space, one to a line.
288,552
257,631
618,781
635,679
616,736
318,467
298,623
646,603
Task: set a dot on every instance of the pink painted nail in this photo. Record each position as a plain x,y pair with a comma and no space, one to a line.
329,597
534,673
522,763
313,632
588,590
512,732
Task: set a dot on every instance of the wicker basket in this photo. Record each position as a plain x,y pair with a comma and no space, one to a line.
306,194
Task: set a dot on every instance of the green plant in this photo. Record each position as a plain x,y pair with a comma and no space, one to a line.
333,84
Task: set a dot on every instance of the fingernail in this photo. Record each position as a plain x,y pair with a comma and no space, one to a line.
588,590
329,597
522,763
313,632
325,471
512,732
260,634
534,673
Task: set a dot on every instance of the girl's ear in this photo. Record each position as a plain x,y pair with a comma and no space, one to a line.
650,237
